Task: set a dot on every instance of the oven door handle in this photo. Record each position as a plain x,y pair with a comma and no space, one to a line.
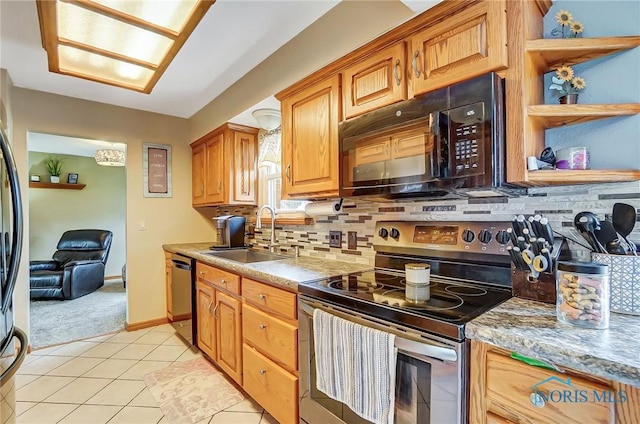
406,345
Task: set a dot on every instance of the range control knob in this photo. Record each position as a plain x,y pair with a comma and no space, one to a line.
485,236
394,233
383,233
502,237
468,236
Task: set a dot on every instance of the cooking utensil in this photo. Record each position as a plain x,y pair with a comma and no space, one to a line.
587,223
545,229
614,247
606,233
624,219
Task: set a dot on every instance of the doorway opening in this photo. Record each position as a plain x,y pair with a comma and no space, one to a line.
88,196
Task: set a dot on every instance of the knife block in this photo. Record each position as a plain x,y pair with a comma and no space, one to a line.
543,288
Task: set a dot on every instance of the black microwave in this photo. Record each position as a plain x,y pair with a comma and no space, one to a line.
445,143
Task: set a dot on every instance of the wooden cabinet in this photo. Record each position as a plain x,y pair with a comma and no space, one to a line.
224,166
270,348
465,45
310,141
505,390
377,81
530,57
219,323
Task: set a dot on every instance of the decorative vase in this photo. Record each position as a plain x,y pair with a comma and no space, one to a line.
569,99
54,178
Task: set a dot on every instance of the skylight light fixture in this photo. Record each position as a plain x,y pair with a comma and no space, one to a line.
124,43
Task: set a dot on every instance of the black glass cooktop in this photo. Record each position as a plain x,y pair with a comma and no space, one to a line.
381,294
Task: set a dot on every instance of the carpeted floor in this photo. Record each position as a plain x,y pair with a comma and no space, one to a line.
60,321
191,391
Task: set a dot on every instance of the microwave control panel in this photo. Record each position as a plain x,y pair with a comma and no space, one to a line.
466,128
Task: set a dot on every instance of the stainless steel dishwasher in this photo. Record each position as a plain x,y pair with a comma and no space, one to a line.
181,295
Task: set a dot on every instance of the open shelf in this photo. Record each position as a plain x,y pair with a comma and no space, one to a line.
589,176
553,52
552,116
60,186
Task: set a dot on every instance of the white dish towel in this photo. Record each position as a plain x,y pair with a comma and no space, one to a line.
355,365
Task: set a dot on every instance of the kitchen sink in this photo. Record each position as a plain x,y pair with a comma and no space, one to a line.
246,256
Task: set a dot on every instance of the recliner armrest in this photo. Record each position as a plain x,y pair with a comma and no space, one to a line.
84,262
44,266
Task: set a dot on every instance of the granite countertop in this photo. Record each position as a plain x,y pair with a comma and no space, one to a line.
287,273
531,328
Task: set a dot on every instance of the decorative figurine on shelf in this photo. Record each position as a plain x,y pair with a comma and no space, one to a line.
567,85
568,27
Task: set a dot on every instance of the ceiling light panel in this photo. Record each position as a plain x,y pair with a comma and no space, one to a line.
102,32
97,67
170,14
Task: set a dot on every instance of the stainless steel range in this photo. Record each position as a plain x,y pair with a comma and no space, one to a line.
470,274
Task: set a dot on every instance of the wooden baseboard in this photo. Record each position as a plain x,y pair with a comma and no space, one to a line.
145,324
113,277
182,317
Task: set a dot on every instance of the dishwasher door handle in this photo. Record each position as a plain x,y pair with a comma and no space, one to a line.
181,265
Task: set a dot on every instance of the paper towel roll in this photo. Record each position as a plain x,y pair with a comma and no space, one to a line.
323,208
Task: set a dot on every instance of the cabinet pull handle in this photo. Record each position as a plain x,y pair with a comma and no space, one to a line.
414,63
209,307
396,73
262,297
262,372
262,326
215,310
219,185
287,172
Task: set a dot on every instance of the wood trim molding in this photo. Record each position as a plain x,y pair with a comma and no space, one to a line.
222,128
145,324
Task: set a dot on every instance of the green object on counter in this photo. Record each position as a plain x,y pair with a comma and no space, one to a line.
534,362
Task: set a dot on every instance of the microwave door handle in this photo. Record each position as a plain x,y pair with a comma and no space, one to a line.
434,124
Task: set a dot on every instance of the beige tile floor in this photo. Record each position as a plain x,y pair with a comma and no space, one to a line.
100,380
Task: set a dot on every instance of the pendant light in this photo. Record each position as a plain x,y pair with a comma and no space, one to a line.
110,157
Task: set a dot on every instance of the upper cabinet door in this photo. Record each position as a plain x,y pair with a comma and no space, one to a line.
215,164
244,159
377,81
467,44
197,174
310,141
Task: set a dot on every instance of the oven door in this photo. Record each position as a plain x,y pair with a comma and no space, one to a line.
429,374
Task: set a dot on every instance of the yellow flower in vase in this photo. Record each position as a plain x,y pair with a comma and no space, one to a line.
565,82
565,73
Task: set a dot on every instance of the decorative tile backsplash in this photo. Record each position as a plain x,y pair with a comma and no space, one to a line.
558,204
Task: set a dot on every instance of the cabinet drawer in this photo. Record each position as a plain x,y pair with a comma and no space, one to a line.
277,339
222,279
269,298
273,387
510,384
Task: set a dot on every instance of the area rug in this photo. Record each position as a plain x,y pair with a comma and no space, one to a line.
61,321
191,391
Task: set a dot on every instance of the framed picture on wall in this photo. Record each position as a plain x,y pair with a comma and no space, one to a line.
72,179
156,170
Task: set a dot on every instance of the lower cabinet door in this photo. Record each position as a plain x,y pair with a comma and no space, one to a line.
229,335
273,387
205,299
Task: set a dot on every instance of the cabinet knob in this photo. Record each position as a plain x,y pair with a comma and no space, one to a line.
262,297
262,326
223,281
262,372
537,400
201,273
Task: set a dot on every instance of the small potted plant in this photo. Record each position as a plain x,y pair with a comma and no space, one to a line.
567,85
54,167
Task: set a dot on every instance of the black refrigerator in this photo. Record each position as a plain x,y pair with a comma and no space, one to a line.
13,341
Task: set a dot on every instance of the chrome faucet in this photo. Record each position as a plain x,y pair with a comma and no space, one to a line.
273,244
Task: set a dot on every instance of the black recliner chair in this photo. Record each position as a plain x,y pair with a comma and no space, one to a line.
77,267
